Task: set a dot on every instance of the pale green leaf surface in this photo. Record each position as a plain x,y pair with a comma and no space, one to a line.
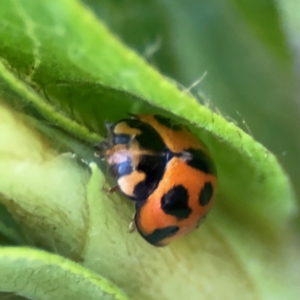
68,214
85,76
36,274
230,260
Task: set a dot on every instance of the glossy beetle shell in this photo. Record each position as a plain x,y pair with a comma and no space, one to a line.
166,170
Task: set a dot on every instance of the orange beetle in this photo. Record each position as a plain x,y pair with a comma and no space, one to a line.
166,170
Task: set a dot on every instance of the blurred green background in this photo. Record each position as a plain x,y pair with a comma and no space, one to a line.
248,49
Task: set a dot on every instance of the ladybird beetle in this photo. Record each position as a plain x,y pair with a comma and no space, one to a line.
166,170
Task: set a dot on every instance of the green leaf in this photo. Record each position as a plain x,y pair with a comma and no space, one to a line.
70,76
266,184
247,49
290,23
264,19
9,228
37,274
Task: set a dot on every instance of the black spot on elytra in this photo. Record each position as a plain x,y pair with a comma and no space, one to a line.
167,122
148,138
201,161
206,194
175,202
153,166
158,235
